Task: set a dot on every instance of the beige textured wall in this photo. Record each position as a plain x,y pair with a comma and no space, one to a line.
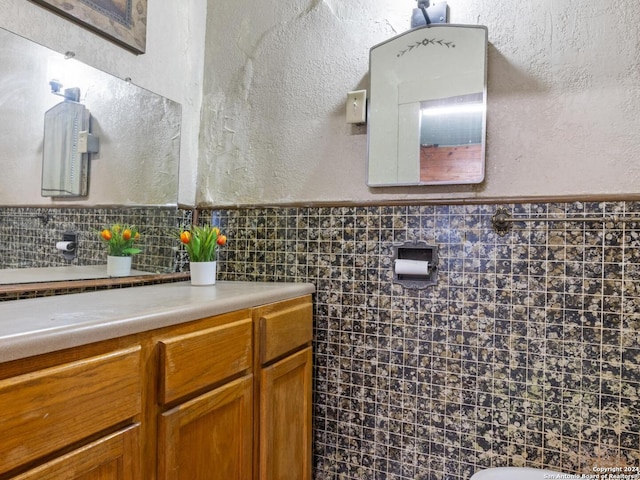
171,66
563,93
563,99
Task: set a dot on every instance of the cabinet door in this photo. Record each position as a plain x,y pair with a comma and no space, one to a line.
285,418
209,437
114,457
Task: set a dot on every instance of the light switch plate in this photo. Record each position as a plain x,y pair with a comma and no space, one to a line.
357,106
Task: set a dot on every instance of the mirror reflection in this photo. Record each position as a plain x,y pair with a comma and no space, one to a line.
133,178
64,163
451,134
50,244
139,131
427,110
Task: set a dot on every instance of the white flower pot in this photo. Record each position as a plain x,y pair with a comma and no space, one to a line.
118,266
203,273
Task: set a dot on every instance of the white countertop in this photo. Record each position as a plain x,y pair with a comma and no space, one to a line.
41,325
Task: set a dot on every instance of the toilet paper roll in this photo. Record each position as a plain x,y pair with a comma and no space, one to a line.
65,246
411,267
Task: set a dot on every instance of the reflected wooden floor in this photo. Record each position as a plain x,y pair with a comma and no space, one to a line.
456,164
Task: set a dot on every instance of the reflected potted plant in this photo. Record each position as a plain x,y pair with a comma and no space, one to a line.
201,244
120,241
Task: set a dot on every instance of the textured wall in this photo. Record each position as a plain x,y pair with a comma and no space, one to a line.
171,66
562,93
563,97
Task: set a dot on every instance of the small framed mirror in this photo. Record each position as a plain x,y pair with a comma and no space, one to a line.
427,107
65,165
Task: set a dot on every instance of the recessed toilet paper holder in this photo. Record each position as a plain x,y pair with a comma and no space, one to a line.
68,247
415,264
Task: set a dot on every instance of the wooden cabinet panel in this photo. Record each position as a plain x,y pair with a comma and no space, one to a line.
284,330
209,437
115,457
285,418
196,360
58,406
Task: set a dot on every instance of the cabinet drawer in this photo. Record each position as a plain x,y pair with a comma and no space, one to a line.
196,360
46,410
285,330
114,456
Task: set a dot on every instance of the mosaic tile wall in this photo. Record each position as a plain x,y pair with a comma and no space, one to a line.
29,236
526,352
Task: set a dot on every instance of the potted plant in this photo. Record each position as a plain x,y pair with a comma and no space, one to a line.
120,240
201,244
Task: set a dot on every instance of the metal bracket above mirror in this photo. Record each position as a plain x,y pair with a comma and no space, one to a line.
427,14
427,107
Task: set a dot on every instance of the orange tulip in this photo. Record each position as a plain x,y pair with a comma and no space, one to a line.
222,239
185,237
106,234
126,235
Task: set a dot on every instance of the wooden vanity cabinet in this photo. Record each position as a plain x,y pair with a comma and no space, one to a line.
226,397
284,401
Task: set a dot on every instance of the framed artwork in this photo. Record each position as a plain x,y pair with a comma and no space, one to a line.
122,21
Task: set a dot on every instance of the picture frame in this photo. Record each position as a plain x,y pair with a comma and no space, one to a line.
121,21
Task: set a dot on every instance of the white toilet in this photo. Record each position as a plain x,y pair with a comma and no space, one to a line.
516,473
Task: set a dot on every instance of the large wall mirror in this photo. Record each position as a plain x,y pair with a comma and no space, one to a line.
138,130
135,167
427,107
